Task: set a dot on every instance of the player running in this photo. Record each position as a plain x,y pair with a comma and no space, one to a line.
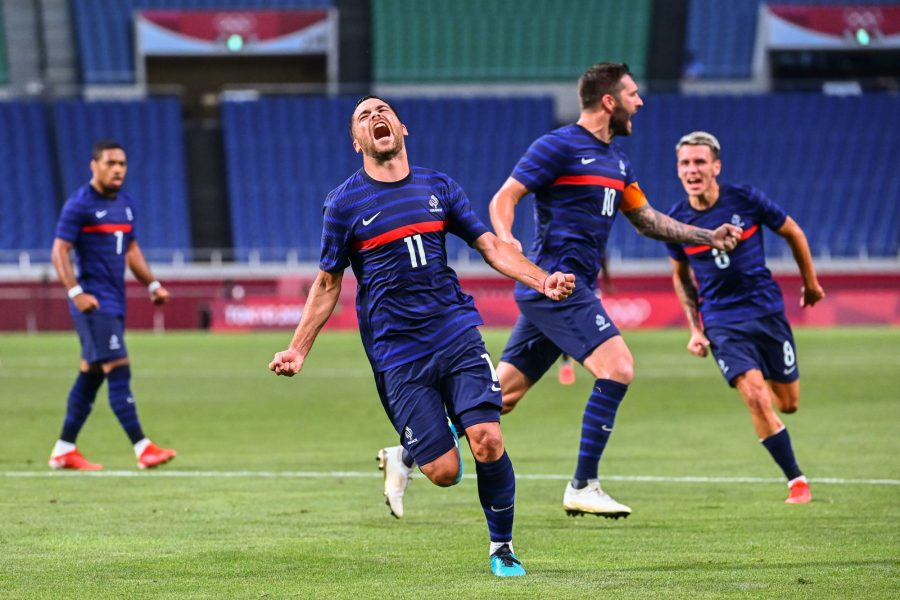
389,222
742,309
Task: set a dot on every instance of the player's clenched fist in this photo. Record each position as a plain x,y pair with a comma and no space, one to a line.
559,286
287,363
726,237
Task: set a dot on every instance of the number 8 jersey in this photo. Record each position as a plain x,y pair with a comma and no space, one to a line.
734,286
100,229
409,302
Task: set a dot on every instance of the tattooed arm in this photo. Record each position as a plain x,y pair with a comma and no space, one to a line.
651,223
686,290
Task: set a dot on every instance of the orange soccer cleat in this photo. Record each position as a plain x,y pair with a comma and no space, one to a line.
566,373
153,456
73,460
800,493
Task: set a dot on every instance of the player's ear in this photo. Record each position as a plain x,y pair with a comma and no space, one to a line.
356,147
403,129
717,168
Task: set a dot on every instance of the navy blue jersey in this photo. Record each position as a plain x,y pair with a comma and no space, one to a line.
579,185
733,286
100,229
409,301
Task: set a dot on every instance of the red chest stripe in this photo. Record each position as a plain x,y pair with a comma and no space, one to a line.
698,249
591,180
107,228
396,234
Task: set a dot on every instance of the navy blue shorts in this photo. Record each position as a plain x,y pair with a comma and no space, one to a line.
766,344
545,329
102,336
457,381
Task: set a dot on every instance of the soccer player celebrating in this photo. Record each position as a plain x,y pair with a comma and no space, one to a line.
743,321
98,221
580,182
389,221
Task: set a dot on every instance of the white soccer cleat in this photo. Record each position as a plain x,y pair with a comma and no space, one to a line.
396,477
592,500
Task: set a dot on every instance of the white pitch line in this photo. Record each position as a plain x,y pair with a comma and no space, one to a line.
372,474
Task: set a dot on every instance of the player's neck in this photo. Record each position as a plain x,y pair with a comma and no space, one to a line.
706,200
597,123
387,171
101,190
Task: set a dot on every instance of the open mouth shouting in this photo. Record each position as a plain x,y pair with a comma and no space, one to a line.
380,130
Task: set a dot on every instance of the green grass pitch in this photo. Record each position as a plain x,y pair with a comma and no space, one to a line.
248,508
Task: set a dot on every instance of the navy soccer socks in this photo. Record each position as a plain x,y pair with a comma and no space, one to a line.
497,493
779,446
596,426
80,403
122,403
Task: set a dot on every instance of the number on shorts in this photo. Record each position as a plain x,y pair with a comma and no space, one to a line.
494,375
789,357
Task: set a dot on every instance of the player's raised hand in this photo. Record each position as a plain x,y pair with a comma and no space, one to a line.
809,295
85,302
698,345
160,295
726,237
559,286
287,362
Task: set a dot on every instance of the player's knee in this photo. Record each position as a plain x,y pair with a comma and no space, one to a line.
488,448
788,407
622,371
510,400
757,400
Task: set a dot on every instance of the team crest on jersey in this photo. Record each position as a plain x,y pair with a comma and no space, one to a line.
435,204
737,221
408,434
622,167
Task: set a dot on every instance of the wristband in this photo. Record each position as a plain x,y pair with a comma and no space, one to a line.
154,285
544,284
75,291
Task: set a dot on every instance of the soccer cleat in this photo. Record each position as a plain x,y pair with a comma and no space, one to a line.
800,493
592,500
153,456
566,374
504,563
455,433
73,460
396,477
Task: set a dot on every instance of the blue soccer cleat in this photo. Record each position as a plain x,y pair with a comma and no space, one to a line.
504,563
456,437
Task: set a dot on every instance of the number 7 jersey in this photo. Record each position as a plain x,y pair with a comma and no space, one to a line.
409,302
100,229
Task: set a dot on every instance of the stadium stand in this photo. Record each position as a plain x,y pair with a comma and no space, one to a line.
151,132
722,40
824,158
27,196
504,40
4,75
277,182
105,34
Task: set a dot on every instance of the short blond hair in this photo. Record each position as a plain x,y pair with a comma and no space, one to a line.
700,138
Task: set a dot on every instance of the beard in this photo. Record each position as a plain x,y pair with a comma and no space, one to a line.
618,121
384,156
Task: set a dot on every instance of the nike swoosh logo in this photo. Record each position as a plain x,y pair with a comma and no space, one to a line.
587,161
370,219
605,428
789,371
501,509
495,388
100,214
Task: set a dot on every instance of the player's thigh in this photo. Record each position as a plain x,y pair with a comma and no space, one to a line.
102,337
734,350
611,360
413,402
527,356
468,380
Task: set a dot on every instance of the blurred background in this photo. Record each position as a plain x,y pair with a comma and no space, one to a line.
234,117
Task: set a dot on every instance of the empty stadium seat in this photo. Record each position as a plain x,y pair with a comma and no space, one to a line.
151,133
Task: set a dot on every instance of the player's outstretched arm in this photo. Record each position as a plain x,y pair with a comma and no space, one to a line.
811,291
509,261
323,297
651,223
686,290
503,210
60,254
136,262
